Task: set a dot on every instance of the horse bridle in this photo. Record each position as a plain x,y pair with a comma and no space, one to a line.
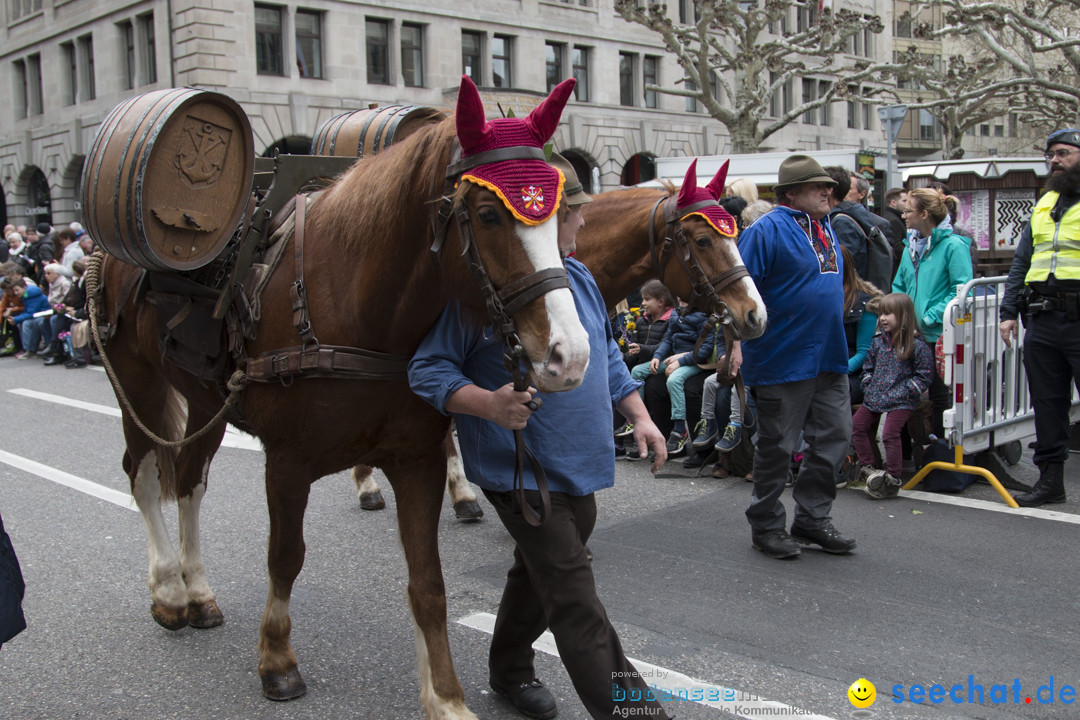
675,239
502,305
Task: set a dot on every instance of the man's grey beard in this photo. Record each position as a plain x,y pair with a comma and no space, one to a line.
1064,181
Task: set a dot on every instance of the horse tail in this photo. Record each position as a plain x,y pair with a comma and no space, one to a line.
174,422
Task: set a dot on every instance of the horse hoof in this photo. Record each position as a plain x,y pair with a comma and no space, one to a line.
372,501
468,510
205,615
169,618
283,687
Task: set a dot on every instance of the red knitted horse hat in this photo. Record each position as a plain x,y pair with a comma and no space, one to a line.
529,188
715,215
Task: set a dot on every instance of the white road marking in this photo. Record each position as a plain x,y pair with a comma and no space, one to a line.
233,437
67,479
682,687
992,506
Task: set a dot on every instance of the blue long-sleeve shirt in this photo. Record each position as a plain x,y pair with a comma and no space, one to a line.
571,432
803,290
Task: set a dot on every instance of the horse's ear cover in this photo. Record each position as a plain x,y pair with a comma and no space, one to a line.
720,219
529,187
716,185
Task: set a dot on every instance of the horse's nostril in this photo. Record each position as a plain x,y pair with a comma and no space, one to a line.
751,318
555,362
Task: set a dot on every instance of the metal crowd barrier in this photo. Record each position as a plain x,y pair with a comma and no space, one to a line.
991,406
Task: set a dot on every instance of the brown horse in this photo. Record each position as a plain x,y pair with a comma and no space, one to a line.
626,240
368,248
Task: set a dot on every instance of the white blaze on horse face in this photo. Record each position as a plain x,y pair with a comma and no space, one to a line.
752,323
564,363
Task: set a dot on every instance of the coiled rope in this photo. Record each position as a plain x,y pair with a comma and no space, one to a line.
94,294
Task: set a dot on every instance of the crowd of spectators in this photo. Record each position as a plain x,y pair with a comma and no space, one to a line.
43,307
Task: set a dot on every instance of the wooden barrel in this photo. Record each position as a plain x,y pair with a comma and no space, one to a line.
366,132
168,178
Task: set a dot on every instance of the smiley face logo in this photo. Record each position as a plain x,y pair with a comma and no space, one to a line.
862,693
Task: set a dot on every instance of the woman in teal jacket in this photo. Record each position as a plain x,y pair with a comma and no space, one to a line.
935,261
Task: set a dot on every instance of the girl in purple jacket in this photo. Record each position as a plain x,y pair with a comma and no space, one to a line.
896,373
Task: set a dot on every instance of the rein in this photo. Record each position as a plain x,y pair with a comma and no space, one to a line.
502,305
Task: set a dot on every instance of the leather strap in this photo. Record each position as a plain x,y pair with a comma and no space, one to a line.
326,361
301,318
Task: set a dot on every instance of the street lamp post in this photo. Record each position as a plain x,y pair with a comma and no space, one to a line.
892,118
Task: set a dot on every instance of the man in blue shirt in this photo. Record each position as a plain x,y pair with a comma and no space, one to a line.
459,369
798,368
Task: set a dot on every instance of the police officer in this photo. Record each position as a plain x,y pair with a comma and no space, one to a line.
1044,286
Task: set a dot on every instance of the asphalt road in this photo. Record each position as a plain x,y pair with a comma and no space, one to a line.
970,595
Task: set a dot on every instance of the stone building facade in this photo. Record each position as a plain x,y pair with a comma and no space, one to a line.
292,65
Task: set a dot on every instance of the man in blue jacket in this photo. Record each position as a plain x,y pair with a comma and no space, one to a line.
34,301
798,368
459,369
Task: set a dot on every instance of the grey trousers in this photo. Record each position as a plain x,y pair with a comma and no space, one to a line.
820,408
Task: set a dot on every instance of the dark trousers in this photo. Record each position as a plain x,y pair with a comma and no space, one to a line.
1052,361
551,584
864,425
820,410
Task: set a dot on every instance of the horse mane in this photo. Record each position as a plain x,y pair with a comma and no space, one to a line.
381,191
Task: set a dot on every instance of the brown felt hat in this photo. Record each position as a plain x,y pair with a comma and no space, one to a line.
572,188
799,169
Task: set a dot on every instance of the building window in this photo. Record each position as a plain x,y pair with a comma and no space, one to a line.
149,48
309,43
853,108
554,57
688,9
71,64
86,67
378,51
626,79
999,131
809,94
23,8
580,66
127,32
824,111
268,45
650,72
903,26
501,46
412,54
984,130
35,96
927,126
867,116
691,103
471,46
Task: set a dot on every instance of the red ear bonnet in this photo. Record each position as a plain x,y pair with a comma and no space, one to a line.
690,194
530,188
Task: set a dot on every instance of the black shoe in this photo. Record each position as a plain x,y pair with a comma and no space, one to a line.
676,443
56,360
695,460
531,699
777,544
1049,489
75,363
828,538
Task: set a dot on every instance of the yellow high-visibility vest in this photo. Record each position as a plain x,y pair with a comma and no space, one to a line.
1055,246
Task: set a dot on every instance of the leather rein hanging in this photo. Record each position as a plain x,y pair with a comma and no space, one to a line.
501,306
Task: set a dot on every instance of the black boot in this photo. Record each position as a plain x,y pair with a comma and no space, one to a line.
51,351
1049,489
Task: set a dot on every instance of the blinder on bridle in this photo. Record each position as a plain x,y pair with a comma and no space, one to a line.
676,241
501,304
